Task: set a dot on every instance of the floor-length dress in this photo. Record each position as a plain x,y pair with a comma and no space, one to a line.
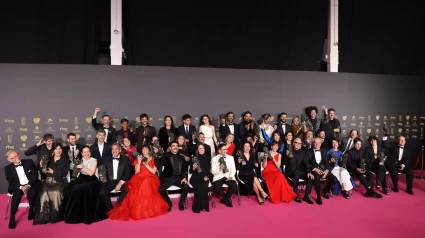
246,173
200,186
209,137
340,173
279,189
143,199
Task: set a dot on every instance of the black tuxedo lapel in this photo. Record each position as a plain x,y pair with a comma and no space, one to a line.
120,168
110,167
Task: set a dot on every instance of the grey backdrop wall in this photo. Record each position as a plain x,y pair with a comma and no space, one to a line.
59,99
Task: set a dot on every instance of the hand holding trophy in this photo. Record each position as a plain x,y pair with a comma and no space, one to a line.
44,160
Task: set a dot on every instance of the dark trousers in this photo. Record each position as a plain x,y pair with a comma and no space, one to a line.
380,172
232,187
297,175
18,194
176,181
393,169
105,190
330,178
366,182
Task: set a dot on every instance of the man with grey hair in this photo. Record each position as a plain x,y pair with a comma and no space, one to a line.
22,176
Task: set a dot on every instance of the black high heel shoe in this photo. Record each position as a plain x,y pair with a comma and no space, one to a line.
266,197
260,202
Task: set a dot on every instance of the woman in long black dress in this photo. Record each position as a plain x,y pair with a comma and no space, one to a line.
52,190
246,163
167,133
200,180
81,203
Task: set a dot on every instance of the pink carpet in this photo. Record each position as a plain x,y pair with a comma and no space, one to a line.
395,215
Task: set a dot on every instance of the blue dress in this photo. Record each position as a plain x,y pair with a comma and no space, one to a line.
338,153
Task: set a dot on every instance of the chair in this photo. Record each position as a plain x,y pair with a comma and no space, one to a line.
237,190
9,198
210,194
301,182
175,188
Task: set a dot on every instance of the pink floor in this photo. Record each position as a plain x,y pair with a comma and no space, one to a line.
395,215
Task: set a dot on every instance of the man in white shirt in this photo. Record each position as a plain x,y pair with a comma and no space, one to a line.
100,149
224,170
22,176
72,150
118,171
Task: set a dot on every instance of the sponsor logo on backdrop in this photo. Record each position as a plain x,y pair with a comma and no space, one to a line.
63,129
369,124
36,120
400,130
343,118
377,131
400,124
361,124
407,124
385,118
75,120
10,147
10,121
353,124
369,131
50,130
369,117
414,130
63,120
377,117
414,124
361,118
89,128
37,130
23,121
37,138
353,118
89,119
377,124
9,139
23,129
400,117
392,117
407,117
392,124
24,138
9,130
415,118
50,121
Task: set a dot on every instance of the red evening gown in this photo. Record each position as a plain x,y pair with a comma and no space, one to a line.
279,189
143,199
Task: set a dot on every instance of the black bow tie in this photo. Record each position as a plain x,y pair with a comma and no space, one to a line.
117,159
17,165
230,124
316,150
401,147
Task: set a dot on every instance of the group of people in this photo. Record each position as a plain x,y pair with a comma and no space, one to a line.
258,158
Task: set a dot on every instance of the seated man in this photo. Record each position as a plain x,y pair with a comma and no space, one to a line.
22,176
375,163
356,165
297,168
118,171
174,172
201,141
399,161
318,160
224,170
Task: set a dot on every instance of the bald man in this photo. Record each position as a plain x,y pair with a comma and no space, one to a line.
22,176
399,161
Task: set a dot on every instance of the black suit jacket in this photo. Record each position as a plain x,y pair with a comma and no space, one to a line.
67,148
354,159
243,132
163,136
280,129
39,151
393,154
225,130
344,143
181,131
95,153
194,147
166,166
312,159
111,134
369,155
124,168
12,176
131,136
298,163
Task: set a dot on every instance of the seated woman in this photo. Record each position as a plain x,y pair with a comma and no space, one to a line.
200,179
276,138
183,150
128,149
229,143
246,164
279,189
52,188
143,199
81,203
297,128
340,173
374,163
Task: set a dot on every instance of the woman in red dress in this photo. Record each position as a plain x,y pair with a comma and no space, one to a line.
229,143
279,189
143,199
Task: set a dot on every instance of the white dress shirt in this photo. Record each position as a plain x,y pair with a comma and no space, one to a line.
318,156
284,129
101,148
22,176
400,154
232,128
215,167
115,166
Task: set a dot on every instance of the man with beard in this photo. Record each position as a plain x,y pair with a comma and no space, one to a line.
282,127
248,127
201,141
228,127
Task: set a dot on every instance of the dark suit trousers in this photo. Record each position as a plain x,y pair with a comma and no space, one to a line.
232,187
330,178
297,175
18,194
176,181
105,190
393,170
380,172
366,182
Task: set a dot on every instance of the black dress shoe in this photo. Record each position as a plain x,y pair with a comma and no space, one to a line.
410,192
369,192
30,215
319,201
377,195
345,194
385,190
298,200
225,202
395,190
181,206
308,200
230,201
326,194
12,223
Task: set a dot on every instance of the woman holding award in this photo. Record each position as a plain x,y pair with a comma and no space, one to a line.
56,170
279,189
341,173
200,173
81,203
143,199
208,129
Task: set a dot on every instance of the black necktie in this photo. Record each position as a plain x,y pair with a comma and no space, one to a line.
187,131
17,165
73,153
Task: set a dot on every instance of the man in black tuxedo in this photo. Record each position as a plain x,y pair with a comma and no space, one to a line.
297,168
201,141
43,147
187,129
100,149
247,127
318,160
227,126
118,171
399,161
356,165
72,151
144,132
125,132
109,130
348,142
174,172
282,127
22,176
